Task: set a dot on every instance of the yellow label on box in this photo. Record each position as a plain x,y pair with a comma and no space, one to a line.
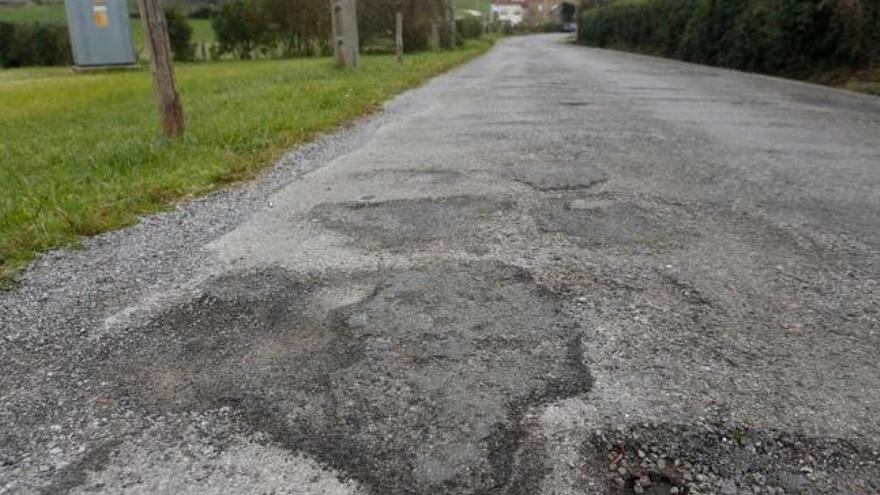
101,19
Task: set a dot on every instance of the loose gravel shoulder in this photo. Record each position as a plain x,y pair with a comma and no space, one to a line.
555,270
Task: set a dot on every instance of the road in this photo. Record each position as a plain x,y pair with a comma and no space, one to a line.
555,270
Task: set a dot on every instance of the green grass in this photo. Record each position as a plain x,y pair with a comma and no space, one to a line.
53,13
867,81
81,154
480,5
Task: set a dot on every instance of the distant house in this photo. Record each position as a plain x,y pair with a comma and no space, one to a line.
532,12
509,12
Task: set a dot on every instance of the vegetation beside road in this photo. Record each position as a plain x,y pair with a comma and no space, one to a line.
818,40
54,14
81,154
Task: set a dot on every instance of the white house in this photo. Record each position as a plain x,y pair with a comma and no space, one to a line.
511,12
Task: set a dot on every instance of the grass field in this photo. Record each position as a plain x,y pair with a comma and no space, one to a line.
53,14
81,154
480,5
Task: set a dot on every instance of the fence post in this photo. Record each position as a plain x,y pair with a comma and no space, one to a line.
398,36
345,33
434,40
161,61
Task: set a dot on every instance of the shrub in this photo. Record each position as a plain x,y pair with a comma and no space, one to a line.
180,34
239,27
29,44
469,27
7,33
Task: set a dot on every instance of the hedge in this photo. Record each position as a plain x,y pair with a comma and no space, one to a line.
795,38
33,44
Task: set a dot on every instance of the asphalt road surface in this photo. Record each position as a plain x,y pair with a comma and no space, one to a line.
555,270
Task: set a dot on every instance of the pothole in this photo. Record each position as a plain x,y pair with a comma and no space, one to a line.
729,459
559,177
417,386
607,223
463,222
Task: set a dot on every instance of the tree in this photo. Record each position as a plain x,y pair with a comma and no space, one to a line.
240,28
180,34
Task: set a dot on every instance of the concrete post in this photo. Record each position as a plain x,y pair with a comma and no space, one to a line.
346,48
450,24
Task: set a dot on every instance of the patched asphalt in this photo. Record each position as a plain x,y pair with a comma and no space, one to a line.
555,270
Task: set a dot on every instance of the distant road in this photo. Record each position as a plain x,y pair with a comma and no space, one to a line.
556,270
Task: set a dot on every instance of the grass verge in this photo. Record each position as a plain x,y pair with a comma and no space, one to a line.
81,154
867,81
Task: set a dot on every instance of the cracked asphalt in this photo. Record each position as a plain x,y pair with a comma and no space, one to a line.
555,270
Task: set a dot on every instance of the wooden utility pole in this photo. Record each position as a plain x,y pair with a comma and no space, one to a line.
398,36
346,48
161,60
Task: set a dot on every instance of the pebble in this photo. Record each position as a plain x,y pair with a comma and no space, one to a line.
728,487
